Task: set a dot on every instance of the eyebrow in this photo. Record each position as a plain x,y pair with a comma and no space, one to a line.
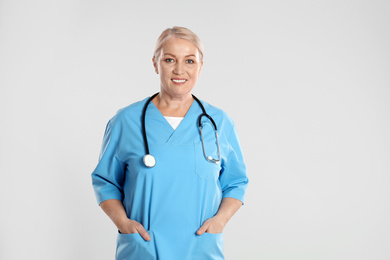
175,56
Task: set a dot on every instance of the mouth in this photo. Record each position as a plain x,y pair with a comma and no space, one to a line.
179,81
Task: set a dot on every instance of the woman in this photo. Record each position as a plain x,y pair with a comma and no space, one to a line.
175,204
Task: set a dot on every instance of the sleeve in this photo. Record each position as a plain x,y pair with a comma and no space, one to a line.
233,177
108,176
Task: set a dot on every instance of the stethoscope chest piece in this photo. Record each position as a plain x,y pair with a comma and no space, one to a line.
149,160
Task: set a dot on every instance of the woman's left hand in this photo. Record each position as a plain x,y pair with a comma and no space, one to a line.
226,210
212,225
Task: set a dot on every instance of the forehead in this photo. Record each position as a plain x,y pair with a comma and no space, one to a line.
178,46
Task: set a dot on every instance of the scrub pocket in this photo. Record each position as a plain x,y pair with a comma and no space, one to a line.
134,247
206,170
209,247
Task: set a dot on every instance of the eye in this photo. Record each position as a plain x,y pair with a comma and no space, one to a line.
169,60
190,61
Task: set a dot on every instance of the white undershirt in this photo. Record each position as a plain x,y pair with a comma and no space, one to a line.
174,121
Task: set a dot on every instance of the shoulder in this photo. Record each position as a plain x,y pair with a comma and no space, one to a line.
128,113
217,112
221,118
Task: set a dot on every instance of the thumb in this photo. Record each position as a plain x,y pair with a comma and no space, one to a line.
202,229
143,233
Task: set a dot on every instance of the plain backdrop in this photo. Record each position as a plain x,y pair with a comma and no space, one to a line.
306,82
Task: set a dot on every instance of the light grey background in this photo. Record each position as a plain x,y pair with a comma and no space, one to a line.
306,82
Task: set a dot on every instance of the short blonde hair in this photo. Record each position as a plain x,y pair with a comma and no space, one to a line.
178,32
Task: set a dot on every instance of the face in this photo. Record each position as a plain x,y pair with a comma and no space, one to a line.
179,66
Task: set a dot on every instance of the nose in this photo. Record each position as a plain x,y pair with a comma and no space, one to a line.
178,69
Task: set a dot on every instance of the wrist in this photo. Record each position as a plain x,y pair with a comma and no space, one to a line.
121,222
221,218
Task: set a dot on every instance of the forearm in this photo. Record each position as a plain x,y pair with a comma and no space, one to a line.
227,209
115,211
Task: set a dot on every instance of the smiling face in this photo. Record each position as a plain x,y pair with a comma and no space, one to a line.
179,66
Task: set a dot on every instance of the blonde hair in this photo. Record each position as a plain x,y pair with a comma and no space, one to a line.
178,32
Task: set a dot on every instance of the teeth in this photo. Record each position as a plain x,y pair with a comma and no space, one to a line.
179,80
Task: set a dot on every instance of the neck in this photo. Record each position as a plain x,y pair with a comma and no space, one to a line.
176,106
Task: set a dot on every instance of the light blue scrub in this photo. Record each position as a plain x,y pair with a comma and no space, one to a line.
174,198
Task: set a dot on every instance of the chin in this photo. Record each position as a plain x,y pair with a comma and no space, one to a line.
177,91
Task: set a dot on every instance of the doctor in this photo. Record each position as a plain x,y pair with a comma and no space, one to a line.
176,208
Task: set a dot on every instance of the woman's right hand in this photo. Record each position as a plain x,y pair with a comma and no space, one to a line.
115,210
129,226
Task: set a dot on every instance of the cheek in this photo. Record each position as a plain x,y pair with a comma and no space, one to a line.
196,72
163,72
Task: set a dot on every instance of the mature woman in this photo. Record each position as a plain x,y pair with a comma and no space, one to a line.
168,185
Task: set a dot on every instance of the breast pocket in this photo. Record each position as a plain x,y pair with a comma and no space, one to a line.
205,169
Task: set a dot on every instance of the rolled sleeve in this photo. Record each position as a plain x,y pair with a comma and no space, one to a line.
108,176
233,178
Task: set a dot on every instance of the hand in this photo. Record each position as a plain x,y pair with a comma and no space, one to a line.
131,227
212,225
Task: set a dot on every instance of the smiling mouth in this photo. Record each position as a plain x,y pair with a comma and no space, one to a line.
179,80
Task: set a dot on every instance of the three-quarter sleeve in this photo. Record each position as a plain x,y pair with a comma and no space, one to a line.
108,176
233,177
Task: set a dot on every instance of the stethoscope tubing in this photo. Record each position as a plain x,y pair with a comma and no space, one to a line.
148,156
204,114
143,122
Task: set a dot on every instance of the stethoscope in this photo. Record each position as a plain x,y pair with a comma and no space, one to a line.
149,159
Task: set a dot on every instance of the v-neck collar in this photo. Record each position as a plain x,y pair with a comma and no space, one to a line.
172,133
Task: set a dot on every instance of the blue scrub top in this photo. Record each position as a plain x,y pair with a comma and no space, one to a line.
174,198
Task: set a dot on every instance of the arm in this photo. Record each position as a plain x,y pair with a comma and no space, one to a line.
227,209
107,181
115,210
233,181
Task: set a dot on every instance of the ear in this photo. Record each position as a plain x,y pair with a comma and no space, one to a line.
201,65
155,65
